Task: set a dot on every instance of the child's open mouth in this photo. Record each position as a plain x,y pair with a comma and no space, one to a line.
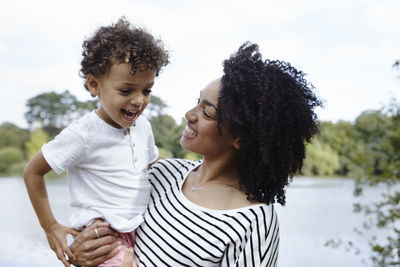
129,115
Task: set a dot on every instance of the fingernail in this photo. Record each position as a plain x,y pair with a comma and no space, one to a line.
130,249
119,247
119,242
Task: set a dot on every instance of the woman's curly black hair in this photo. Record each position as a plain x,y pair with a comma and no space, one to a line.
270,106
122,43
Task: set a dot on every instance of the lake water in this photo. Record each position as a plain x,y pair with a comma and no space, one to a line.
317,210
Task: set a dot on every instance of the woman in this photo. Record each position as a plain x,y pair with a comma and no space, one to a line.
250,126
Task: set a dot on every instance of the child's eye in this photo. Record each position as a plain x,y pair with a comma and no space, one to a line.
147,91
125,91
198,101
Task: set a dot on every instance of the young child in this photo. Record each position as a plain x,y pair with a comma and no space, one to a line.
106,153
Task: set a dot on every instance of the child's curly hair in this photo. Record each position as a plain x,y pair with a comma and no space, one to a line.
270,107
122,43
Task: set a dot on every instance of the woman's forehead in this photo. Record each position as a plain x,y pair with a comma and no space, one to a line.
211,91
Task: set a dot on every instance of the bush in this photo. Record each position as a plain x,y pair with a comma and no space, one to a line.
321,160
17,168
164,152
8,157
191,156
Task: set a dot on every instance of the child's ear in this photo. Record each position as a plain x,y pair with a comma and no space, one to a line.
93,85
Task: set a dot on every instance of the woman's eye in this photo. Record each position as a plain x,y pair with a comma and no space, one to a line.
206,114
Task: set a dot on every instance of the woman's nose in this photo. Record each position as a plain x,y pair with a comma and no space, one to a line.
190,115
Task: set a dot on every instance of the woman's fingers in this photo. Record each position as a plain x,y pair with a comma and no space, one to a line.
73,232
101,250
88,235
100,223
61,257
94,244
128,260
96,261
102,231
91,245
68,251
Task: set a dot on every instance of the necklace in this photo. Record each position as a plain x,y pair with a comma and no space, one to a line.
197,189
202,188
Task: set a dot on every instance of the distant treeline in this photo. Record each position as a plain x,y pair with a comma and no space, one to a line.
362,147
367,147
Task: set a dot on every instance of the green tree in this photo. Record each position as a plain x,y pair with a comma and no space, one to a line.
321,160
373,128
342,137
37,138
8,157
380,130
13,136
383,215
53,111
163,128
177,150
167,133
155,107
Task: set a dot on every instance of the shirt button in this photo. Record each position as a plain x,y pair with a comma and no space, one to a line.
133,144
135,159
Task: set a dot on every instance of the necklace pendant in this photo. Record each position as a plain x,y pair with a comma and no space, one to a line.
197,189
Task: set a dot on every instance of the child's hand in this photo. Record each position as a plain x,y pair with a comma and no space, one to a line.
129,258
57,238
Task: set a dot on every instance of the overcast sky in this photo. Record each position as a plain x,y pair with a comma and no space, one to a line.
347,48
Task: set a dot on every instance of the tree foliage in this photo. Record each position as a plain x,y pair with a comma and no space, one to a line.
321,160
385,212
13,136
377,155
383,216
8,157
167,132
155,108
53,111
37,138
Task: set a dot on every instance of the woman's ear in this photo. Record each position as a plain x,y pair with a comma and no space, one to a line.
236,143
93,85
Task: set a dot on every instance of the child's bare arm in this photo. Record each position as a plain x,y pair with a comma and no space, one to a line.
56,233
34,171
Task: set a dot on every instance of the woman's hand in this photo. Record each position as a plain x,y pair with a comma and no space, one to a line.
90,249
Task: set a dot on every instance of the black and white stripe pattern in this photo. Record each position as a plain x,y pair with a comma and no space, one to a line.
177,232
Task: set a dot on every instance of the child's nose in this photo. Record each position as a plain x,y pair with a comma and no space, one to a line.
137,101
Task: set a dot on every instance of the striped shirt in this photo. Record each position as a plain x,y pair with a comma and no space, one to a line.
177,232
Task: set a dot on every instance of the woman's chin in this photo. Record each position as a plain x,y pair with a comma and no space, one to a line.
182,142
185,145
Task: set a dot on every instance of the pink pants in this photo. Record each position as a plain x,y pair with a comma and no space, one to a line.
127,240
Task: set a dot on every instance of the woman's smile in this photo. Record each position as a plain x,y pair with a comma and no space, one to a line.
188,132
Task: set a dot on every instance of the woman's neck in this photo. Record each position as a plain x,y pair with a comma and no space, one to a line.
223,169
